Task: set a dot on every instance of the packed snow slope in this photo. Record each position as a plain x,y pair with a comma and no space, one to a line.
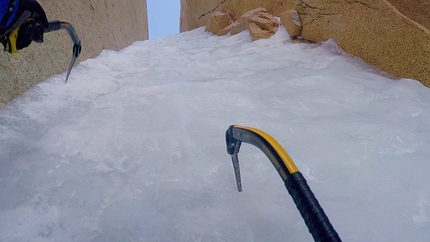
132,148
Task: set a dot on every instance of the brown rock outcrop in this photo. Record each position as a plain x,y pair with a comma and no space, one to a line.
263,19
227,29
394,40
218,21
291,21
257,32
372,30
417,10
260,23
237,28
196,13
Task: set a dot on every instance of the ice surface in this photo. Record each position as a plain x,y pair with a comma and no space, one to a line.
133,149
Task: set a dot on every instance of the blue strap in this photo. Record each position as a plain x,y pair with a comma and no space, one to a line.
8,12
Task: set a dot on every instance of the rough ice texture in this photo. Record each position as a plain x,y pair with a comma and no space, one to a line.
133,147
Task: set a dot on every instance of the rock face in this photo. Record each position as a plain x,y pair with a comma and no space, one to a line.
260,23
100,24
291,21
218,21
417,10
393,35
372,30
196,13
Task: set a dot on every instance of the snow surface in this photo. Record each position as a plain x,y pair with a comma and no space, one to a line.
133,147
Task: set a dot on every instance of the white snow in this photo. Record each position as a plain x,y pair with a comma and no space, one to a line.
132,148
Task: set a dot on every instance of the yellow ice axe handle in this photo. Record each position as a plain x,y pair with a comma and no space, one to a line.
312,213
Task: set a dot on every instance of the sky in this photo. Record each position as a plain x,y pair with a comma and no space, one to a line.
133,148
163,17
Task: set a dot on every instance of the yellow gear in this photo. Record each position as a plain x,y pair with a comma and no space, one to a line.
11,41
13,37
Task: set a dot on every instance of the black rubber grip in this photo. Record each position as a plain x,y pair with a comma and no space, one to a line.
313,214
53,26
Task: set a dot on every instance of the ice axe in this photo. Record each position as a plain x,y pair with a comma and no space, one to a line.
312,213
57,25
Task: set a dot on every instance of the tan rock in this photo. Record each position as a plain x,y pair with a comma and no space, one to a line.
237,27
244,19
374,31
417,10
218,21
226,30
291,21
265,20
257,32
267,24
263,24
195,13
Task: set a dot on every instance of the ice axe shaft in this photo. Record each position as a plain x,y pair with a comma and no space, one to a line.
77,47
312,213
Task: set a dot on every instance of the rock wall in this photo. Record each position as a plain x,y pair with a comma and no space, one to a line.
196,13
260,23
417,10
372,30
100,24
396,40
